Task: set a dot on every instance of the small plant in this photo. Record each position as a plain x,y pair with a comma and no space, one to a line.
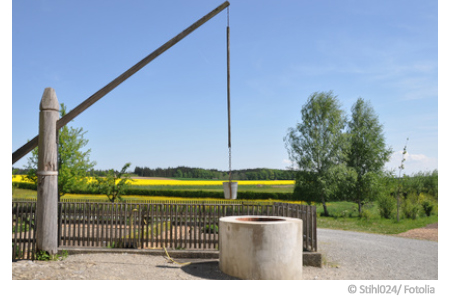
42,255
64,254
45,256
211,229
112,245
114,184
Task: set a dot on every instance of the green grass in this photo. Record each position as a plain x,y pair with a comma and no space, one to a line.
23,194
377,225
344,216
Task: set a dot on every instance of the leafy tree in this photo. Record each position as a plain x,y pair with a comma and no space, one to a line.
315,144
367,152
73,163
113,185
333,184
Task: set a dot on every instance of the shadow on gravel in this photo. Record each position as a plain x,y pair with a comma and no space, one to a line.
207,270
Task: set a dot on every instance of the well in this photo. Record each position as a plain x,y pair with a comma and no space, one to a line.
261,247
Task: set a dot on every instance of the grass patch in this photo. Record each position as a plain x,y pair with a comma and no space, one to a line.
23,193
345,216
377,225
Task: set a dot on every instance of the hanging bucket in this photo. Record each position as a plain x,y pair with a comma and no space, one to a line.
226,190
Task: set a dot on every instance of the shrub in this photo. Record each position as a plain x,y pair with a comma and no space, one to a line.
411,207
366,215
386,205
427,207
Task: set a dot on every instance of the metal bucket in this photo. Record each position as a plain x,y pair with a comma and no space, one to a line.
226,190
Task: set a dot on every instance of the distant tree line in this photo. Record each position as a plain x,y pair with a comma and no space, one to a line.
199,173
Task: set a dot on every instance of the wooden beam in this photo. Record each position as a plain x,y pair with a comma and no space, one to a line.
25,149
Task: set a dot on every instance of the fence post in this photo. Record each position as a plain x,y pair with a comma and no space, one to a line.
47,173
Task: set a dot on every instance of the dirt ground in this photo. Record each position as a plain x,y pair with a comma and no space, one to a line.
429,232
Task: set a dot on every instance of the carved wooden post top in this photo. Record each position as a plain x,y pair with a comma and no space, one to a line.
49,101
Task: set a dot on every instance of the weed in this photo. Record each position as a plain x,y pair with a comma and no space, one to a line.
211,229
327,263
45,256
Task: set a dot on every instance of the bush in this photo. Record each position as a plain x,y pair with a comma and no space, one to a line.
386,205
411,207
366,215
427,207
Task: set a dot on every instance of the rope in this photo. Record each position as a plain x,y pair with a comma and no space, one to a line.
170,258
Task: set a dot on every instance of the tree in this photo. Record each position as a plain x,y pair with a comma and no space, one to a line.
315,145
113,185
367,152
74,164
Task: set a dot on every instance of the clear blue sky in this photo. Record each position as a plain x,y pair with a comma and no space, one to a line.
173,112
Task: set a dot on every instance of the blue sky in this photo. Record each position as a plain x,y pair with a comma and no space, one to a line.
173,112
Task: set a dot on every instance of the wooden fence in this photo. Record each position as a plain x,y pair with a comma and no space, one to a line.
148,226
23,233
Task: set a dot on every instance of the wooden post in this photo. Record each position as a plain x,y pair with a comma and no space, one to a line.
47,173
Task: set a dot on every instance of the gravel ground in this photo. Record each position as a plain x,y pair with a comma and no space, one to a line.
355,255
347,255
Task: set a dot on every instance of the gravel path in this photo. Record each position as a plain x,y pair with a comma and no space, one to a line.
347,255
355,255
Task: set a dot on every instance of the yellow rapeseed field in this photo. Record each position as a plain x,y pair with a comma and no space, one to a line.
20,178
171,199
210,182
142,182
